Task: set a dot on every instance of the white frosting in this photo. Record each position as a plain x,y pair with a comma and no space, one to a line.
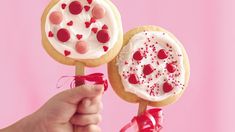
126,64
95,48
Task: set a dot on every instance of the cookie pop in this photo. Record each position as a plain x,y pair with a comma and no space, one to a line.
82,33
152,68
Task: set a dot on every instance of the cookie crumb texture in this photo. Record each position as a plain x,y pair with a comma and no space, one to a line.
151,66
82,29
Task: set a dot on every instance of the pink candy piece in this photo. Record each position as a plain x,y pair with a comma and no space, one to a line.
103,36
138,56
148,69
171,68
81,47
162,54
167,87
133,79
56,17
75,7
63,35
98,11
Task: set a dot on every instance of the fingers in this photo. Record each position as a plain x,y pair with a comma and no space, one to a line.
76,94
87,118
84,120
89,128
90,105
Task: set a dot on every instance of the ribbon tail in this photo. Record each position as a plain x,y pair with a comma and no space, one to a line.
95,78
61,82
149,121
126,127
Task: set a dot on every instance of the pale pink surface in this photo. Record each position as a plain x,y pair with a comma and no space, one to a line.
206,28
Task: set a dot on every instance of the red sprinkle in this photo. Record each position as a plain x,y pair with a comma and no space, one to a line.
148,69
103,36
63,6
79,36
167,87
105,27
67,53
87,8
138,56
133,79
50,34
75,7
162,54
89,1
70,23
171,68
88,24
106,48
93,20
63,35
94,30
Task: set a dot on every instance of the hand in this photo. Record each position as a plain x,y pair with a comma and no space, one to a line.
75,110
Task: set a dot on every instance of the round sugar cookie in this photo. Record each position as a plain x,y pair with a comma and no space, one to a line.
152,66
85,31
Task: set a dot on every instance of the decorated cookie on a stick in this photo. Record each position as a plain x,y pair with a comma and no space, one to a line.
152,69
82,33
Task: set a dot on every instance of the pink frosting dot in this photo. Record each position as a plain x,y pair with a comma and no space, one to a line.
56,17
81,47
98,11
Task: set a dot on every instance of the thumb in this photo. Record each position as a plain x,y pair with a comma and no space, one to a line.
75,95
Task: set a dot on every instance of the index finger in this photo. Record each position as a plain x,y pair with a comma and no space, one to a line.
75,95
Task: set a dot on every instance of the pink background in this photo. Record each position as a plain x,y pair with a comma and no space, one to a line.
206,28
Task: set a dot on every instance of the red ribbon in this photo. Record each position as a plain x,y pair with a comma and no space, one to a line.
149,121
95,79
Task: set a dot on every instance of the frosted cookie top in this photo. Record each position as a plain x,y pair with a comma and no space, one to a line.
82,29
151,66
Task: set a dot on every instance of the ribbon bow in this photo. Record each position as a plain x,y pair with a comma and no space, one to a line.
95,78
149,121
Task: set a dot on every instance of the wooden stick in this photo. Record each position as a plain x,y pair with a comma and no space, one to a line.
80,69
142,106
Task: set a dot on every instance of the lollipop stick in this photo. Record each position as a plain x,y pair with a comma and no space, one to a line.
80,69
142,106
